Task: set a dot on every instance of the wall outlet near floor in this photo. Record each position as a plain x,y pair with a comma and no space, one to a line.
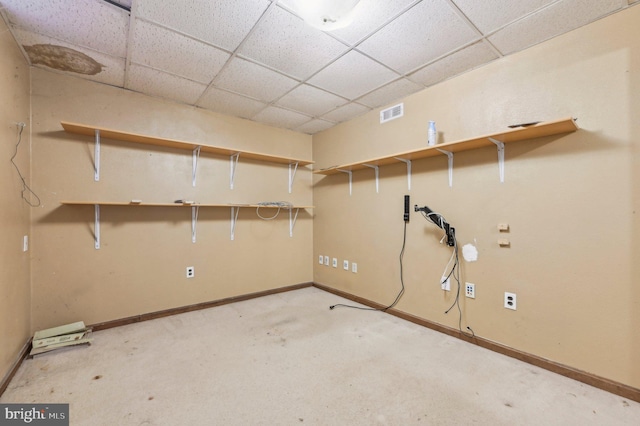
354,267
345,265
191,272
510,300
334,263
445,283
25,243
326,261
321,259
470,290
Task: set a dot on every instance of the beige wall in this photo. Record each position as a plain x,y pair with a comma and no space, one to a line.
571,202
14,213
141,265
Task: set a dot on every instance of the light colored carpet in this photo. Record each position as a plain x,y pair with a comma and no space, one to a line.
287,359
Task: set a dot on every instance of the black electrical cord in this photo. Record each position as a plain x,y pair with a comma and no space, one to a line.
455,273
395,302
25,187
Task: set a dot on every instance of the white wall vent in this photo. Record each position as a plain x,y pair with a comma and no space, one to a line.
391,113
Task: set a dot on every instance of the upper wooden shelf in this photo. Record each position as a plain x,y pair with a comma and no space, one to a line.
129,203
566,125
83,129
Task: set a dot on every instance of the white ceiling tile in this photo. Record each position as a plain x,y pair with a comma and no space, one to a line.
223,23
49,53
97,25
310,101
353,75
549,22
346,112
314,126
279,117
156,83
168,51
389,93
454,64
489,15
284,42
253,80
429,30
230,103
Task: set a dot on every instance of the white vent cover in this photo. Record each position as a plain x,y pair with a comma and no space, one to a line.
392,113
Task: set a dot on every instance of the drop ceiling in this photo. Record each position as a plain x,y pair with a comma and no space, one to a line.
257,60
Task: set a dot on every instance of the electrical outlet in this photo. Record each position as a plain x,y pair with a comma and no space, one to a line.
445,283
321,259
25,243
470,290
191,272
334,263
354,267
510,300
345,265
326,261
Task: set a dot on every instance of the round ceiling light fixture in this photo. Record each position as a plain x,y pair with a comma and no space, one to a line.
325,15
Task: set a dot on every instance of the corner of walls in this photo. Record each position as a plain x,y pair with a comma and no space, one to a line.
15,214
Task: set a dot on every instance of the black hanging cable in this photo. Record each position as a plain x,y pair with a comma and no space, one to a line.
395,302
454,272
25,187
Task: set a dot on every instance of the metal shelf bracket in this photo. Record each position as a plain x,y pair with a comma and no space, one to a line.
292,221
234,163
194,222
234,219
408,163
96,176
450,157
376,170
97,226
350,173
500,146
196,156
292,174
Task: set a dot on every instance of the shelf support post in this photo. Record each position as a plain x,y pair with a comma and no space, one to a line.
292,174
194,222
449,154
96,158
376,170
196,156
97,226
234,219
292,221
350,173
408,163
500,146
234,163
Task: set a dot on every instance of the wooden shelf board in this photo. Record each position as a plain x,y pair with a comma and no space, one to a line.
566,125
83,129
129,204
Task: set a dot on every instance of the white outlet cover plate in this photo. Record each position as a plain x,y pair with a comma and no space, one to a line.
321,259
334,263
326,261
445,283
510,300
345,265
470,290
354,267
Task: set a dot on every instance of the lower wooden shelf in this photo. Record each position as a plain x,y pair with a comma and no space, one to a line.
195,207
